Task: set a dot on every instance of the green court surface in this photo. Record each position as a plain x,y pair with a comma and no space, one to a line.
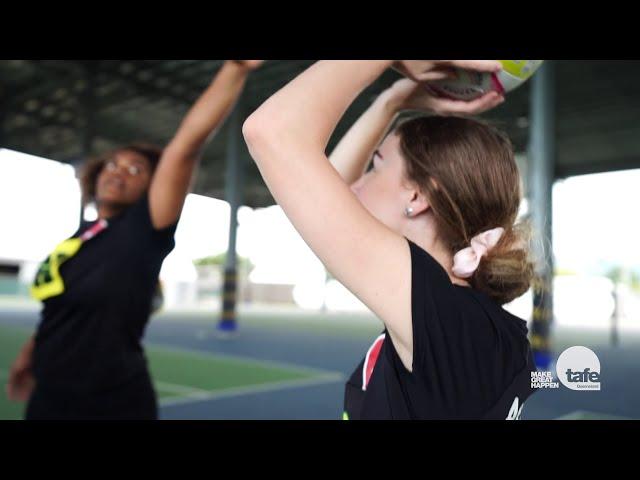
179,375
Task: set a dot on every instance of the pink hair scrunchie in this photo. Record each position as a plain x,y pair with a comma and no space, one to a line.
466,261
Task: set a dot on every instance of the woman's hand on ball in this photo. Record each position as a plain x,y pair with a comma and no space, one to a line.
430,70
406,94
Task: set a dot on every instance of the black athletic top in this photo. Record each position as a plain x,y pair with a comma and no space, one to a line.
471,358
97,289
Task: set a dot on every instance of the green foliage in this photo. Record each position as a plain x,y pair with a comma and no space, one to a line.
220,259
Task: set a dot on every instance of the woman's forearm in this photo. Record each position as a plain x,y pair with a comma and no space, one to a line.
306,111
172,178
211,109
354,151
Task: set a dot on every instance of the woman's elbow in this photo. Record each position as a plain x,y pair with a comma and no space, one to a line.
269,135
257,132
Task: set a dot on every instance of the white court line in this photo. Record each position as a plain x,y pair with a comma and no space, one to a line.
244,359
250,389
192,395
175,388
165,386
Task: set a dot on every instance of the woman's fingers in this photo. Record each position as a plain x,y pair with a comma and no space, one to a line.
479,105
429,70
491,66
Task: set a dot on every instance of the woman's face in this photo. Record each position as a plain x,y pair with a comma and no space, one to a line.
383,190
123,179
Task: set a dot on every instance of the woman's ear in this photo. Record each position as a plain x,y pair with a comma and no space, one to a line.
417,203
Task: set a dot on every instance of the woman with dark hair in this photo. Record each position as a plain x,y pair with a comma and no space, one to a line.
86,360
426,237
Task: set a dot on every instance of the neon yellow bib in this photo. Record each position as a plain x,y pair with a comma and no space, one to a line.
48,282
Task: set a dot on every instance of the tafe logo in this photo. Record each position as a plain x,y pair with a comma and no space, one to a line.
578,368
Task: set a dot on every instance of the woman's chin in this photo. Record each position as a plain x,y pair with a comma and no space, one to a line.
110,199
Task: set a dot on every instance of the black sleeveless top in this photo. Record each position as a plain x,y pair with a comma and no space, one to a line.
471,358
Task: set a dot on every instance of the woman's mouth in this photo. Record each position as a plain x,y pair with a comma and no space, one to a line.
114,184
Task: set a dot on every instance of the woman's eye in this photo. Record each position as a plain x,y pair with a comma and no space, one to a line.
133,170
372,165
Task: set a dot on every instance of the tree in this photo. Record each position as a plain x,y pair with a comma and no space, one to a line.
220,259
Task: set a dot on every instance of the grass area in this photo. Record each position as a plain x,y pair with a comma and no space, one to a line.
177,373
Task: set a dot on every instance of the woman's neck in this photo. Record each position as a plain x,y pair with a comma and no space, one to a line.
421,231
109,210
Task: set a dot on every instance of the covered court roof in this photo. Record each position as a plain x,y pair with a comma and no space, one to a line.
60,109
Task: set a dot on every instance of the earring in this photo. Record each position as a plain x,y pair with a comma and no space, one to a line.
408,211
